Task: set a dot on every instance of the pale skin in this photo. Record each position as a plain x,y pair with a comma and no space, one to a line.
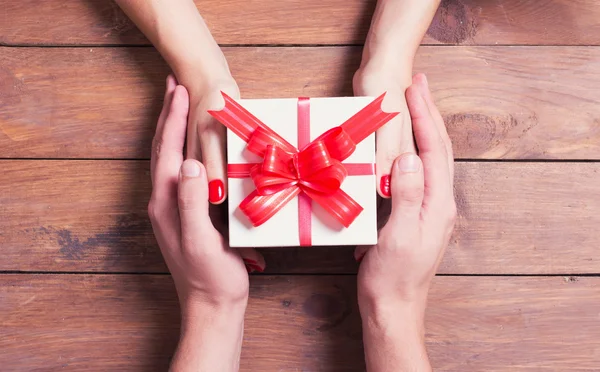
394,275
211,278
177,30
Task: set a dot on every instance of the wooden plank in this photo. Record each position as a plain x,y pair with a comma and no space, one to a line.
100,22
103,103
514,218
308,323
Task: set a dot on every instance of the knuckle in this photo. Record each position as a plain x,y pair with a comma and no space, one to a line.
442,145
211,163
208,128
448,144
413,194
452,213
154,210
156,146
390,156
187,201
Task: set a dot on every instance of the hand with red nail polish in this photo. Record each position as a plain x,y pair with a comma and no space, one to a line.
395,275
396,31
179,33
395,137
206,136
211,278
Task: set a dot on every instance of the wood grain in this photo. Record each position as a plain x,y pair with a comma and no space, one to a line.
101,22
103,103
514,218
308,323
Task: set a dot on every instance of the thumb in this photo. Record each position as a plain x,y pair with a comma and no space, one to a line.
407,186
193,201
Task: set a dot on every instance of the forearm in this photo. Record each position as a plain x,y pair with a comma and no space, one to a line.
397,29
394,338
211,340
177,30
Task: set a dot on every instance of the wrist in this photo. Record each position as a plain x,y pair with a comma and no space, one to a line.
380,73
394,337
197,309
211,337
386,314
388,57
203,75
374,78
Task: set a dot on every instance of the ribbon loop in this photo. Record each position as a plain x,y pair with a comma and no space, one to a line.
338,142
260,139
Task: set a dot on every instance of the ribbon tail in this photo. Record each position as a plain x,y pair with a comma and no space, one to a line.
259,209
367,120
339,204
241,122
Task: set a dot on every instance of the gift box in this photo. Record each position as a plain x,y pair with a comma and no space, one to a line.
301,172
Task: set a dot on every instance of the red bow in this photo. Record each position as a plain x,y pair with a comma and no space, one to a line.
316,170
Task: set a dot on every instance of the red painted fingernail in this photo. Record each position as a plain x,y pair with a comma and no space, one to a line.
252,266
216,191
257,268
359,259
385,185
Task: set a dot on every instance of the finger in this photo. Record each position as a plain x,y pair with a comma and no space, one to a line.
430,146
171,84
393,139
169,146
253,260
360,252
193,202
421,81
212,145
408,186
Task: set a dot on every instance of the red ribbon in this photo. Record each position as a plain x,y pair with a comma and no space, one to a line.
313,173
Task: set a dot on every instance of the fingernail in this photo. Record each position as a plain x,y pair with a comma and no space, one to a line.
258,268
359,259
216,191
425,81
252,266
384,184
409,164
190,169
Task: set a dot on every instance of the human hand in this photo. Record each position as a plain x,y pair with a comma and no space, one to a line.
400,267
395,275
204,268
211,279
396,136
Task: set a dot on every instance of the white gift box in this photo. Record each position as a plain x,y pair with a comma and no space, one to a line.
282,229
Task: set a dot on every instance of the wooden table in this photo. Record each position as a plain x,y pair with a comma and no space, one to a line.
83,286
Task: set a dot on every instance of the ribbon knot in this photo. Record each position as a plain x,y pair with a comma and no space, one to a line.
312,170
315,170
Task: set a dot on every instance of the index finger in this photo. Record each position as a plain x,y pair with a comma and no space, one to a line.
168,149
171,85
